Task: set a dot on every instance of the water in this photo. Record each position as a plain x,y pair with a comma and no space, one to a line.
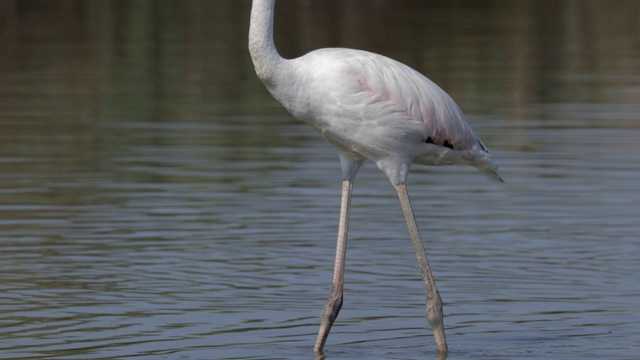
156,203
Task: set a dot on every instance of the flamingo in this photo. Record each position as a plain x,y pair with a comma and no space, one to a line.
369,107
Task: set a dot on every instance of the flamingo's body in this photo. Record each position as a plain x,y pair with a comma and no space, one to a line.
369,107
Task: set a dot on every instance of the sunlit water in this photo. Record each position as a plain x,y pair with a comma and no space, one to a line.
155,203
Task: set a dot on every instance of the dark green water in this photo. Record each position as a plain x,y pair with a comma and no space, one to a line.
156,203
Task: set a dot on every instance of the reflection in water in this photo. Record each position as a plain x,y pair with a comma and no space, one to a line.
155,201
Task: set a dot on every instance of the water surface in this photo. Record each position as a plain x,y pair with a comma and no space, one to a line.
156,203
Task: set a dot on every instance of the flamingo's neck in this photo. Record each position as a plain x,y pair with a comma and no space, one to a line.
266,59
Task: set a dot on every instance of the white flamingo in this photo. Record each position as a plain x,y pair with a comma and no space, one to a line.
369,107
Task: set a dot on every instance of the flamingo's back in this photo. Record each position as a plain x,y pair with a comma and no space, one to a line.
375,107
